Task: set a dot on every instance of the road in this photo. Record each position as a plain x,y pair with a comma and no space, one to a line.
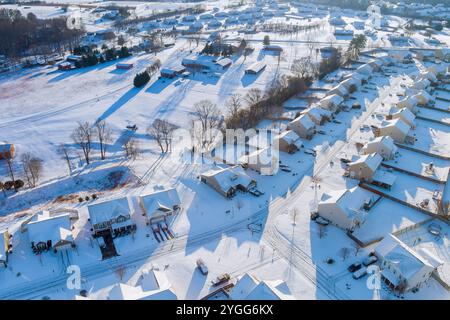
297,257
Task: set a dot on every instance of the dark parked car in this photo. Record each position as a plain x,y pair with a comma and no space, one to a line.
356,266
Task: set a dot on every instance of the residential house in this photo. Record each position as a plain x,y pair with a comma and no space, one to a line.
228,180
255,68
344,208
404,114
397,129
339,90
50,231
409,102
331,102
263,161
111,217
303,126
157,205
423,98
384,146
363,168
402,268
288,141
319,115
248,287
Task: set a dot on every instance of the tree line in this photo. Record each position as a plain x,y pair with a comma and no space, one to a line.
23,35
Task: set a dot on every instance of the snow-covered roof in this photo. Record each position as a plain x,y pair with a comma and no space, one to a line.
5,147
318,112
408,102
229,177
372,161
385,177
256,67
156,285
332,99
423,97
406,115
44,226
386,141
304,121
349,200
397,123
108,210
249,287
350,82
161,200
290,137
340,90
224,62
396,252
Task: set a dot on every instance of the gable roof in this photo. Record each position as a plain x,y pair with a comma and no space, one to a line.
160,200
372,161
304,121
108,210
229,177
44,227
349,201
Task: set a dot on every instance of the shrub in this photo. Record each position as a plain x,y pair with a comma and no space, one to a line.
80,199
141,79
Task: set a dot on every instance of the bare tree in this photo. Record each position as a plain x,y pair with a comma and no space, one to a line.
253,96
162,132
344,253
208,115
294,214
65,155
104,134
121,271
10,167
82,136
132,149
234,105
32,168
304,67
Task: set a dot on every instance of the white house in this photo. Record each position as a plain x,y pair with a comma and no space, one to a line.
351,84
344,208
319,115
331,102
365,69
228,180
264,161
404,114
409,103
397,129
159,204
302,126
152,285
443,54
428,75
364,167
402,268
423,98
248,287
384,146
339,90
287,141
420,84
47,231
112,217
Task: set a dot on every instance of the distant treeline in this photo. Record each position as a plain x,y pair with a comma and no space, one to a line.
20,35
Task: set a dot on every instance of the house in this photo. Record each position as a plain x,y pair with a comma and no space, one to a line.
337,21
124,66
344,208
263,161
319,115
189,18
405,115
255,68
196,26
420,84
50,231
206,63
425,55
111,217
397,129
172,72
74,58
402,56
438,70
331,102
343,32
360,77
152,285
248,287
375,64
160,204
228,180
7,150
402,268
384,146
351,84
5,247
428,75
288,141
409,103
364,167
339,90
303,126
423,98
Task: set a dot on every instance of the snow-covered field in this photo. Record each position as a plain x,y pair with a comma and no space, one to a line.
40,107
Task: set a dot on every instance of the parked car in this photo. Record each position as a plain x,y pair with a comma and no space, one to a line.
221,279
322,221
202,267
370,260
359,273
354,267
